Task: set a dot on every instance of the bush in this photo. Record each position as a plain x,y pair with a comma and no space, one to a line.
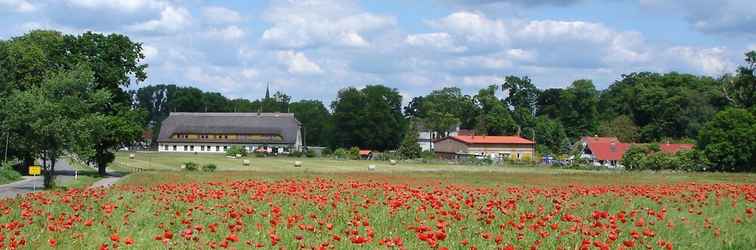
310,154
8,174
326,152
428,155
260,154
354,153
236,150
209,167
340,153
190,166
296,154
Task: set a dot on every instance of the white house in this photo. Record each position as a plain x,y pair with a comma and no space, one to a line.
426,137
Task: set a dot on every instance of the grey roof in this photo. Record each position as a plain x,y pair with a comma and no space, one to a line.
283,124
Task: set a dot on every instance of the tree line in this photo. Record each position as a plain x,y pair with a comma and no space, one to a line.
67,94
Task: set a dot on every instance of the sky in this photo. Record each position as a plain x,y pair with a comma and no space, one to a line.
310,49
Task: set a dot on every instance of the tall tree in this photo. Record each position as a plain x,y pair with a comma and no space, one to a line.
368,118
740,90
549,102
663,106
50,117
315,119
729,140
494,117
410,149
621,127
578,108
550,135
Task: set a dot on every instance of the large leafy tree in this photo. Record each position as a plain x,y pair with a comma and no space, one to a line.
578,108
549,102
549,135
113,60
315,119
663,106
740,90
621,127
729,140
494,117
368,118
51,118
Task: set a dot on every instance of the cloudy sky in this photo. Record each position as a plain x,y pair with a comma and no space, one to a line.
311,48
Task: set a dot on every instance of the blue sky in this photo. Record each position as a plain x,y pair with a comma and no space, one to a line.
312,48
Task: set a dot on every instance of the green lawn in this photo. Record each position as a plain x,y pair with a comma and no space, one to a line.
282,167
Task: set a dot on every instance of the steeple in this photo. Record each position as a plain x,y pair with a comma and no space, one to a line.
267,92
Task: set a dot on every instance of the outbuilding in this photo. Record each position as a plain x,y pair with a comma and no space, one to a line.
494,147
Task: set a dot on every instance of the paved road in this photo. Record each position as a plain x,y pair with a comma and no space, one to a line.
64,172
107,181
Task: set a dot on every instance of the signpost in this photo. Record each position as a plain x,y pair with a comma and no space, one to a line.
35,171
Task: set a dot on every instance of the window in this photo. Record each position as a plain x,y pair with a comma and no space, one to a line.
165,147
186,148
225,148
202,148
174,147
191,148
217,148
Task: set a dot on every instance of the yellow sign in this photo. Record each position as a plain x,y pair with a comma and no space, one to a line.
35,170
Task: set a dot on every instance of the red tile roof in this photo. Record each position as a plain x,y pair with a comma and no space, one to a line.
484,139
674,148
365,152
608,151
611,149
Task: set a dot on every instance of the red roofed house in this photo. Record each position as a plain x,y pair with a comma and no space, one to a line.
496,147
608,151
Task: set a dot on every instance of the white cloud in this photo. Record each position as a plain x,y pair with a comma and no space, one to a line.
440,41
219,14
316,23
722,16
250,73
149,52
710,61
18,5
298,63
172,19
229,33
119,5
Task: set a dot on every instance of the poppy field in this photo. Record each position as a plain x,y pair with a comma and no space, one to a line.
169,210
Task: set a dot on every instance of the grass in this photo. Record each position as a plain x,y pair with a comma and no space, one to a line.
275,167
339,204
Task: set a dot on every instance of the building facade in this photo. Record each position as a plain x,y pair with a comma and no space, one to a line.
217,132
426,137
493,147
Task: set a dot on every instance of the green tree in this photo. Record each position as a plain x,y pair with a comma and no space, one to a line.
548,103
663,106
50,118
410,149
621,127
740,90
368,118
634,158
549,135
729,140
315,119
494,117
578,109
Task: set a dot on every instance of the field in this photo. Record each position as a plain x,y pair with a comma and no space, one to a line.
333,204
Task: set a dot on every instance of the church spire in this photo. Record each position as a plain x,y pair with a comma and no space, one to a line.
267,92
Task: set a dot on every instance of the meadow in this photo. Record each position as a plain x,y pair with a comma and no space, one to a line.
336,204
